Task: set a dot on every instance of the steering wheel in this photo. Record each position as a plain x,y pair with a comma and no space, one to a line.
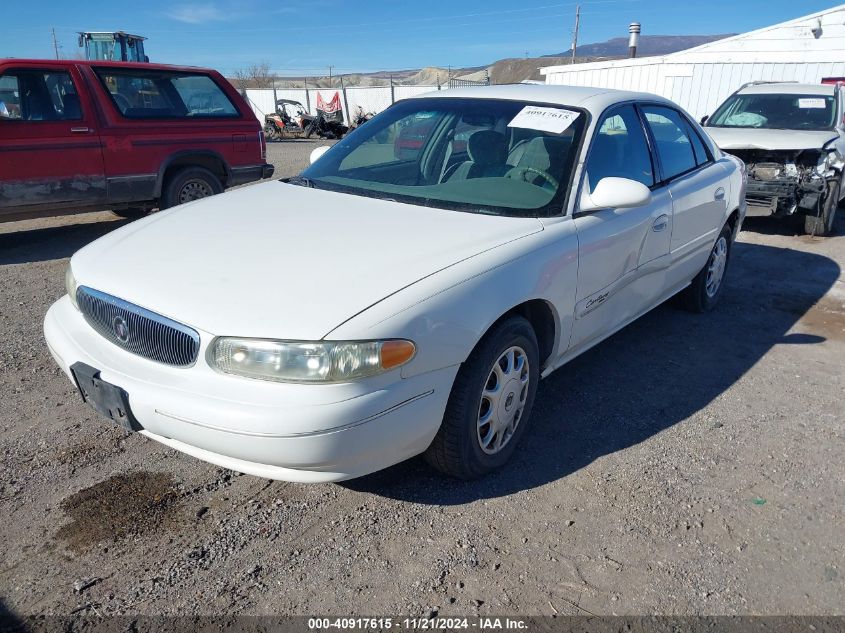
543,174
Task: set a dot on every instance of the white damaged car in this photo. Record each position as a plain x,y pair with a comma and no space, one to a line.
792,139
397,300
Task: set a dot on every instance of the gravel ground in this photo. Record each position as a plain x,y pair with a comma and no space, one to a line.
691,464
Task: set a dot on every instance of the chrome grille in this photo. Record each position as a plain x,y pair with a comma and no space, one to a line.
138,330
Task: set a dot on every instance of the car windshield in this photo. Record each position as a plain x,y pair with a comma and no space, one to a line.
777,112
475,155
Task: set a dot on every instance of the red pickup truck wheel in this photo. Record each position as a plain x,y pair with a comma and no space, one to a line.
187,184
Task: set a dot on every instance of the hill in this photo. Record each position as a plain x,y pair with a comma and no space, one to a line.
504,71
649,45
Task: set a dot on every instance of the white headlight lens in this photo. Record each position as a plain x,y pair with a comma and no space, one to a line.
296,361
70,286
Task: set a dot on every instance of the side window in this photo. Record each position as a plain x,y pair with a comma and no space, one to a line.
10,97
39,96
620,149
698,149
145,94
674,147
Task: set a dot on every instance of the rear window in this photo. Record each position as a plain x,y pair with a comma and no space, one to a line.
154,94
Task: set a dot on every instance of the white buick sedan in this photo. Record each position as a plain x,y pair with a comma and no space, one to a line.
406,292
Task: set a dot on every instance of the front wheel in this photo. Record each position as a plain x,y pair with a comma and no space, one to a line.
704,292
490,403
822,224
188,184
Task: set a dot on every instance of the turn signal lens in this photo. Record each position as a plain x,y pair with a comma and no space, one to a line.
396,353
306,361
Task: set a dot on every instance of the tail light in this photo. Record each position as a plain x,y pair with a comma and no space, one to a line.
263,143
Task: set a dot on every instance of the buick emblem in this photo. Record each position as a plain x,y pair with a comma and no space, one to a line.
121,329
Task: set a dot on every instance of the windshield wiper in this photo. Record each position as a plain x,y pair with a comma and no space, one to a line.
301,181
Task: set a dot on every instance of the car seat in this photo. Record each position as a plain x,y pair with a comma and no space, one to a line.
487,150
72,109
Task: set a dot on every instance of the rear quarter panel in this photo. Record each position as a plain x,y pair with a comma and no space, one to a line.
139,148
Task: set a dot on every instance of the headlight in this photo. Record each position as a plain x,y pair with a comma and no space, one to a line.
70,286
312,362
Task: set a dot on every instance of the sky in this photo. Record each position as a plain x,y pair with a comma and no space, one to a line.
304,37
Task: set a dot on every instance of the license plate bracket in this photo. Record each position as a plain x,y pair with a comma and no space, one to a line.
105,398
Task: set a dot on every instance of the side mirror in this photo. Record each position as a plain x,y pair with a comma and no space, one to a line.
615,193
704,119
318,152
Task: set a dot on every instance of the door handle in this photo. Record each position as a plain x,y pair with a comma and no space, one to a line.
79,130
720,194
660,223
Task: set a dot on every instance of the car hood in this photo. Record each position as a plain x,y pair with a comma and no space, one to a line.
776,140
283,261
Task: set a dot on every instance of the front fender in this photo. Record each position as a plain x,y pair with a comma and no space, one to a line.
446,314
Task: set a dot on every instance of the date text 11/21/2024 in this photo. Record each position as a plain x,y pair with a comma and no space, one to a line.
432,624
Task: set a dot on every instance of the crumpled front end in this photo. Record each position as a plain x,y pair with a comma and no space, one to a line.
786,182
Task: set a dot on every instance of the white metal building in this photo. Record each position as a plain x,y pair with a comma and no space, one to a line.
807,50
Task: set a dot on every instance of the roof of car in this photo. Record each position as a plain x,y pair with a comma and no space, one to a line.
52,63
789,88
594,99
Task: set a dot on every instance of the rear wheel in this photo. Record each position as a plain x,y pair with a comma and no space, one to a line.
822,224
490,403
704,292
188,184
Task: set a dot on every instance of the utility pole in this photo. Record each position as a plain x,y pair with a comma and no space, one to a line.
575,35
55,44
330,76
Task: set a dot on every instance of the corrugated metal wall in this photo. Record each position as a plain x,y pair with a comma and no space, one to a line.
699,79
698,88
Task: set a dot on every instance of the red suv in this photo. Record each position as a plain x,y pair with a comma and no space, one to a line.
83,136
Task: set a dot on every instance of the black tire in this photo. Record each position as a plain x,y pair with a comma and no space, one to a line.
132,213
457,448
699,296
187,184
822,224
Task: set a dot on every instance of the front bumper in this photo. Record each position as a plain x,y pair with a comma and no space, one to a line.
306,433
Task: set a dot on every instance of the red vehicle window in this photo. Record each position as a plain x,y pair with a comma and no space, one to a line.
39,95
155,94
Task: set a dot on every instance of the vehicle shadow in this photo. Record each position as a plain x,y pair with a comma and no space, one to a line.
9,621
56,242
788,226
653,374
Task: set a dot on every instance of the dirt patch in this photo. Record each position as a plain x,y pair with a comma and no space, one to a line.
826,318
121,506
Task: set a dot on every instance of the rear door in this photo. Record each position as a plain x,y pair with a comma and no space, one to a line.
50,154
697,185
622,253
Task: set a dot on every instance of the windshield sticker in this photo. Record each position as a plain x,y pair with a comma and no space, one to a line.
554,120
811,103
